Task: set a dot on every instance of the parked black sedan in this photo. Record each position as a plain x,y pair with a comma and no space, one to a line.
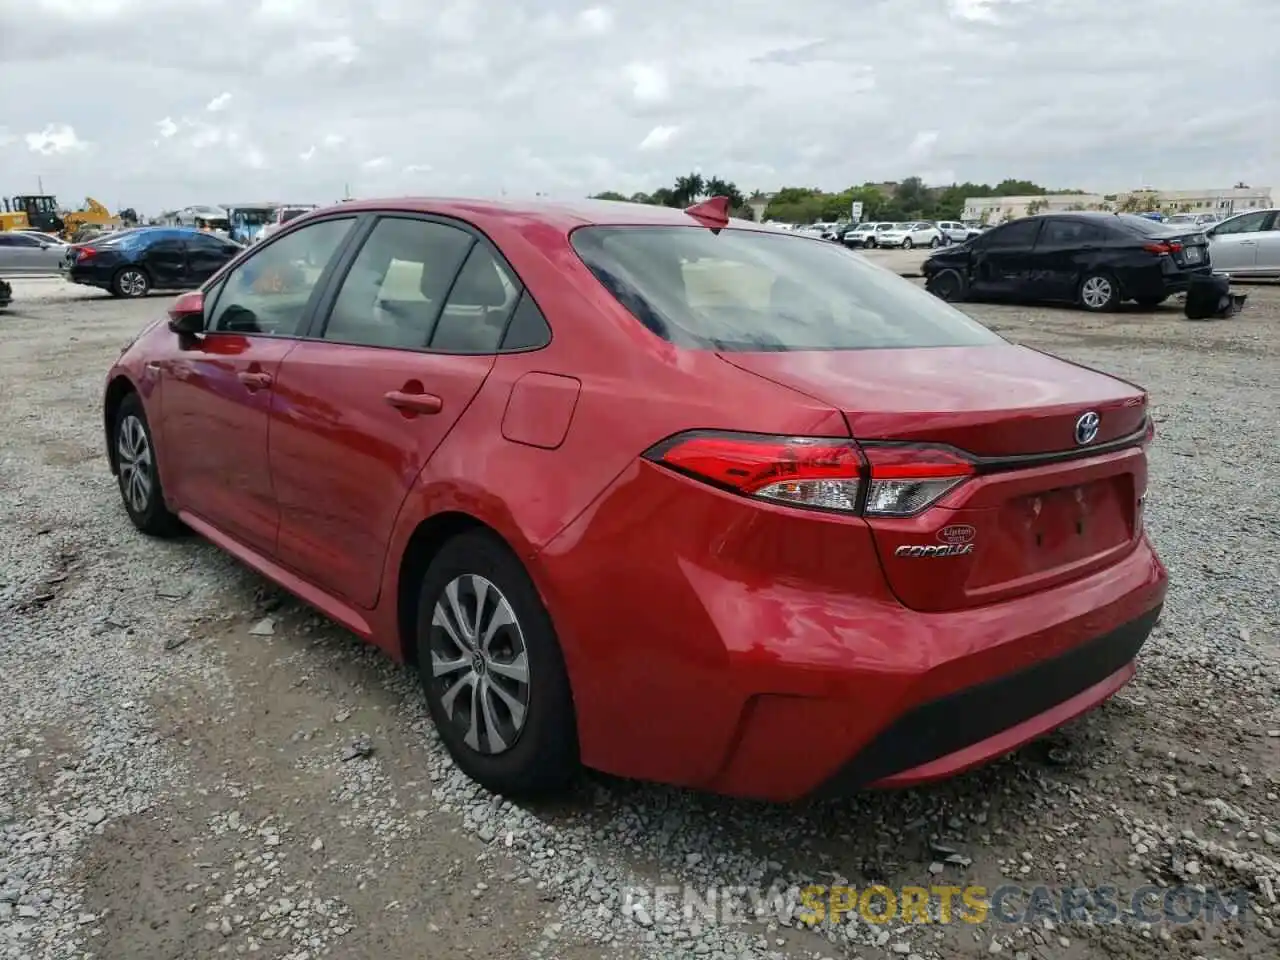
1095,260
132,263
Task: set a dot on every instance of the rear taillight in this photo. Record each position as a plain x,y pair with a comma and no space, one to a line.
906,479
818,472
813,472
1170,247
84,253
1148,432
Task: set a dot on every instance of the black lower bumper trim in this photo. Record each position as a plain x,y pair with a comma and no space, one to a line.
958,720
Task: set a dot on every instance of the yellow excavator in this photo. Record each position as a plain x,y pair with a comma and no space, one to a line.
25,212
94,214
41,213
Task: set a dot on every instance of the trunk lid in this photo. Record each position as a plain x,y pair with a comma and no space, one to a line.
1040,510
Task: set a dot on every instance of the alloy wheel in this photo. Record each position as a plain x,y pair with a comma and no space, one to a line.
133,283
136,464
1096,292
479,664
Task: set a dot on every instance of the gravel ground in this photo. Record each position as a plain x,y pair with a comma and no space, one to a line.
193,765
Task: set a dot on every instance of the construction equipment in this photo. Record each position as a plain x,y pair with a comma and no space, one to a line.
38,211
94,214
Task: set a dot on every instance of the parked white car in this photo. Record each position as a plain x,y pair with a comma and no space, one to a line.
953,231
1246,245
868,234
1192,221
282,216
908,235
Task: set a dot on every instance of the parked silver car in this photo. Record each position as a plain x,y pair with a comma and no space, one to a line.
1191,221
25,254
1246,245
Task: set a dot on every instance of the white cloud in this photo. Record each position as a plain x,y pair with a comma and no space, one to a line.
413,168
555,96
658,137
922,145
649,82
596,20
55,138
377,163
218,103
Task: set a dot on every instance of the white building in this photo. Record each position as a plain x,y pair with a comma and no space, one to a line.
1000,209
1221,201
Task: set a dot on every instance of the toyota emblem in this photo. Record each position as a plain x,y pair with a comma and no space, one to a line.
1087,428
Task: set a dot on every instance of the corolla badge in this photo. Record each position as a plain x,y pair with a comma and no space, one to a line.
1087,428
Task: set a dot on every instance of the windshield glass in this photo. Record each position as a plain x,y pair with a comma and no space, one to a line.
252,217
289,213
749,290
902,226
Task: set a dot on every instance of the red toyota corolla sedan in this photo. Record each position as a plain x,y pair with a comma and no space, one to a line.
670,495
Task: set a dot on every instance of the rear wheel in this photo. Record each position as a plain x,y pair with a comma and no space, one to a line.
492,670
907,244
934,241
137,471
1099,293
131,282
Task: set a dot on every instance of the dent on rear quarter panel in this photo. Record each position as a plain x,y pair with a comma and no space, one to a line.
540,409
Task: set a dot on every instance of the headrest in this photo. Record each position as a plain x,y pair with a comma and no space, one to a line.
478,285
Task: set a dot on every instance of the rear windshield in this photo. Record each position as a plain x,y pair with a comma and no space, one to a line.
749,290
1143,225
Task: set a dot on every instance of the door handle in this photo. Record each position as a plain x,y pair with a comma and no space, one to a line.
254,380
414,402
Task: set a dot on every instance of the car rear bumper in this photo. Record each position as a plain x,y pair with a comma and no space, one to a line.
87,277
953,733
1162,281
741,650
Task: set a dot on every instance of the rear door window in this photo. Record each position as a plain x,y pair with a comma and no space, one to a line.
1068,233
1019,233
757,290
397,285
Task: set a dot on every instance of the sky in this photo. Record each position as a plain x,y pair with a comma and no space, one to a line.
156,104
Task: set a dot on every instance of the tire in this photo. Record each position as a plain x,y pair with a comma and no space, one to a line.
948,285
870,243
934,241
131,282
1150,303
137,474
1098,293
531,746
907,244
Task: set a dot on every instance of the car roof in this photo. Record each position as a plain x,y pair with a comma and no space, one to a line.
563,215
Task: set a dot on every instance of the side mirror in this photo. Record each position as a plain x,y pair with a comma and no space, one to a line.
186,316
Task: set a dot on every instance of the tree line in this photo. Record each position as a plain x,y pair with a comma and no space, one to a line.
907,199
